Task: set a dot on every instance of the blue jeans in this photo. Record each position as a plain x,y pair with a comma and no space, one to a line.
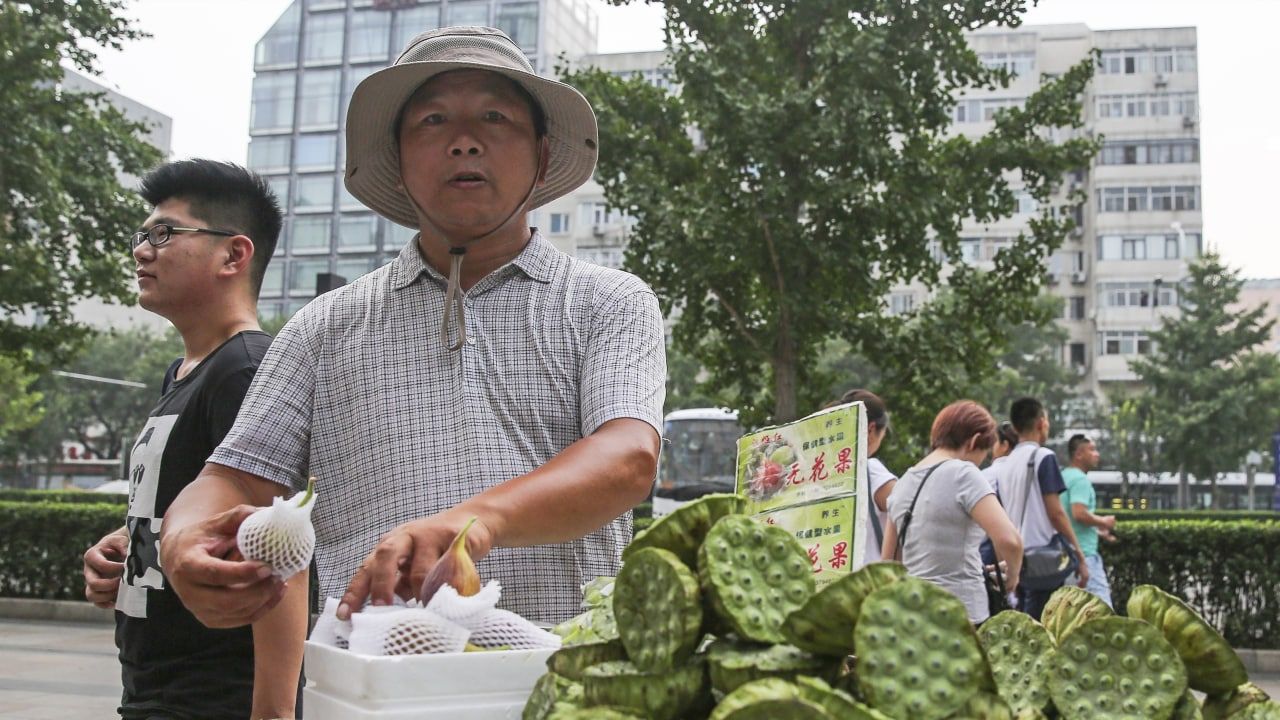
1098,583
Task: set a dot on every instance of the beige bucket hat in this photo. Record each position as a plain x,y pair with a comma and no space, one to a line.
373,150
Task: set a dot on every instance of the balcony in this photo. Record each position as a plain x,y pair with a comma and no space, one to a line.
1114,368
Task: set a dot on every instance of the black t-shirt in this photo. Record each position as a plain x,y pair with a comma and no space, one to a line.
171,664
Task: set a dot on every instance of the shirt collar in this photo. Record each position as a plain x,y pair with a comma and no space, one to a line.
536,260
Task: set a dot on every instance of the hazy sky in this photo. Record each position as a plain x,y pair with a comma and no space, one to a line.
198,68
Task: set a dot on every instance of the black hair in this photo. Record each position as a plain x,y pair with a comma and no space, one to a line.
1024,413
223,196
1074,444
1006,434
877,413
536,114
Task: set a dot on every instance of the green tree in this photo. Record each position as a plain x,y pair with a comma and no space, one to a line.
1130,443
63,213
806,166
1210,386
19,403
1030,364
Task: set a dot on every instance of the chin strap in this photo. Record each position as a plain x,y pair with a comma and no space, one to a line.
453,301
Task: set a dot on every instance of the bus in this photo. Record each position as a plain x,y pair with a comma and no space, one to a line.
699,456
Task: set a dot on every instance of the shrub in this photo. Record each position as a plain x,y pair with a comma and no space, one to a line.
62,496
1126,515
1228,570
43,545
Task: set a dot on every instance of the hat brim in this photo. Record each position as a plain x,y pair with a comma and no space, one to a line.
373,151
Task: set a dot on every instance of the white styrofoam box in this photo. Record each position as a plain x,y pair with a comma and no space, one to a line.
342,685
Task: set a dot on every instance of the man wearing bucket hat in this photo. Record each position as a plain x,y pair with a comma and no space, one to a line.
482,373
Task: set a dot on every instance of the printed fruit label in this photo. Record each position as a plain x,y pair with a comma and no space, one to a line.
825,529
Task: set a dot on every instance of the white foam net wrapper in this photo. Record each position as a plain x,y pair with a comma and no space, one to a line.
505,630
468,610
405,631
331,631
281,535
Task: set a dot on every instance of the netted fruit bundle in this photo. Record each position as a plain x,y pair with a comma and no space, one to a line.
281,535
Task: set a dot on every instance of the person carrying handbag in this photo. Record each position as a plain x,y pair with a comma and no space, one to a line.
1028,484
942,508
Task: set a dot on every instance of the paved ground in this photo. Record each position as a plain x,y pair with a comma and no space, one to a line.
69,670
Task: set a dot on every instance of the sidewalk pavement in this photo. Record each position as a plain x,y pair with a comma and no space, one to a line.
51,669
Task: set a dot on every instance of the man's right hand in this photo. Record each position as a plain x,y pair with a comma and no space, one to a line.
103,567
1108,522
221,593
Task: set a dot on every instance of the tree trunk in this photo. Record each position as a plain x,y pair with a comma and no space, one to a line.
1184,489
784,378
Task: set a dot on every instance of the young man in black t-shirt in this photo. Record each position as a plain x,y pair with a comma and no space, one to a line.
200,259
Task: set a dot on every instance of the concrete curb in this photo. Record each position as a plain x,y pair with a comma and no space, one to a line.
55,611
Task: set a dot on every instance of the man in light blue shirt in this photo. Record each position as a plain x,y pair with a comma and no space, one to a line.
1082,501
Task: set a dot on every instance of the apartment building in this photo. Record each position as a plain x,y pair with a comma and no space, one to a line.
306,67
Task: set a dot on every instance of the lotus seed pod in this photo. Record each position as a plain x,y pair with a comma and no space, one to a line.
571,661
755,575
837,703
1116,667
659,609
985,706
1269,710
566,711
824,624
1070,606
1226,705
658,696
1018,650
683,531
549,690
281,535
1212,666
732,664
769,699
1188,708
918,656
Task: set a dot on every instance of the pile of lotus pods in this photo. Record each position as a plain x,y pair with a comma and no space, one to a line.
717,617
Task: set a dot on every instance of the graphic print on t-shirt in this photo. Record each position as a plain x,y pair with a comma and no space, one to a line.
142,564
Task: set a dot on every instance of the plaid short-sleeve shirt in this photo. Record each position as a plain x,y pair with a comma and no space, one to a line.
358,390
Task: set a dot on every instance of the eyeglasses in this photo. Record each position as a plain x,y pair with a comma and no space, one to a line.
160,233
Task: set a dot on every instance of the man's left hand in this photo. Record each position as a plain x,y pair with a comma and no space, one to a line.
401,560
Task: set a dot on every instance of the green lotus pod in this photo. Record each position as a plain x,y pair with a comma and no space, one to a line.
837,703
1188,708
657,696
769,699
732,663
755,575
566,711
682,531
1018,650
1117,668
549,690
918,656
658,608
824,624
570,661
1267,710
1226,705
1070,607
1212,666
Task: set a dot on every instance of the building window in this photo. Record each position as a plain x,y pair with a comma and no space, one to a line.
324,38
280,188
520,21
1112,199
1077,351
901,303
1124,342
303,281
269,154
984,110
315,193
1134,249
317,152
319,106
350,269
1159,198
468,13
414,20
272,107
347,201
1185,197
397,237
357,232
1134,62
559,223
1027,204
273,279
279,47
370,34
1018,63
311,235
356,75
1135,199
1144,152
1162,246
1075,308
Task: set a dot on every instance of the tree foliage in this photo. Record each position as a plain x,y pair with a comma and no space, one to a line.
19,404
63,213
806,166
1210,386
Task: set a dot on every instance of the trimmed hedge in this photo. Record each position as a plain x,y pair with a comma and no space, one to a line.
42,545
1127,515
1228,570
63,496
